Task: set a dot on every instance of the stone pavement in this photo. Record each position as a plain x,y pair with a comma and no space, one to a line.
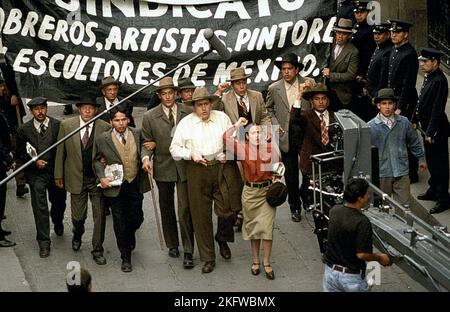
295,257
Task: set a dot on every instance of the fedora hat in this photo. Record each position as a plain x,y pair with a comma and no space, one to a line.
385,94
87,100
185,83
166,83
237,74
344,25
319,88
109,80
276,194
201,93
292,58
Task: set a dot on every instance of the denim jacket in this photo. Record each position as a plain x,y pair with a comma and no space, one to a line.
393,145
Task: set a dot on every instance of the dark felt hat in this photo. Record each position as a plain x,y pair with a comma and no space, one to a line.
289,58
430,54
109,80
399,25
276,194
381,28
40,100
87,100
185,83
385,94
319,88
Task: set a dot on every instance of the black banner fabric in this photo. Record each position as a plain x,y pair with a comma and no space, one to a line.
63,48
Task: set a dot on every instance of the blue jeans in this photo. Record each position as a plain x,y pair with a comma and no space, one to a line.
334,281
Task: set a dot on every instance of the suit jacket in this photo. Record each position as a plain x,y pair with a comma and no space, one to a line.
69,161
343,72
28,133
156,127
278,108
128,108
257,107
309,123
107,150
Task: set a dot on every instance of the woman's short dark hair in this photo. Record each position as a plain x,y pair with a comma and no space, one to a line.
354,189
117,109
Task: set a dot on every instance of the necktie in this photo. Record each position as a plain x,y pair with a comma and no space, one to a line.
122,138
243,106
85,138
171,120
323,130
337,51
43,128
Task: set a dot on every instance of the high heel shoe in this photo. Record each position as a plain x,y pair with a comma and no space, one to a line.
270,275
255,271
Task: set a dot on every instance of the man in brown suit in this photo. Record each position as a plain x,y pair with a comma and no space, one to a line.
281,96
74,172
343,65
158,126
314,127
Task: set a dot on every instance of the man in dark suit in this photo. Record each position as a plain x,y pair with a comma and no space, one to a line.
402,77
314,127
6,162
158,126
343,65
74,172
281,96
41,132
122,146
430,116
110,90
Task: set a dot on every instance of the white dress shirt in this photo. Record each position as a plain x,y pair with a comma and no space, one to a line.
326,117
244,99
174,111
291,92
37,124
108,104
83,130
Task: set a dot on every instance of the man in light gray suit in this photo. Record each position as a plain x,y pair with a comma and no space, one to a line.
281,96
122,146
343,65
74,172
158,126
242,102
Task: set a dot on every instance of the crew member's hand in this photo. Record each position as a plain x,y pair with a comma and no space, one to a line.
40,163
198,158
384,259
423,166
326,72
147,165
150,145
242,122
59,182
105,183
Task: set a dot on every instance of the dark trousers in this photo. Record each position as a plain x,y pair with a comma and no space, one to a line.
79,205
2,198
290,161
203,187
39,186
20,177
437,160
305,193
127,215
166,192
413,165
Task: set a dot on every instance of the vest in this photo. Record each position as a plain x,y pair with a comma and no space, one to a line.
128,156
86,153
247,116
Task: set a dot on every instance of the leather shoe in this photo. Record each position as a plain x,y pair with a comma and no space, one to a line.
76,244
188,263
126,266
296,216
6,243
4,232
99,259
426,196
269,274
44,252
59,229
208,267
439,208
225,251
174,253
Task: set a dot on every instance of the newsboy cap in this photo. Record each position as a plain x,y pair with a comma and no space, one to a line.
399,25
40,100
430,54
